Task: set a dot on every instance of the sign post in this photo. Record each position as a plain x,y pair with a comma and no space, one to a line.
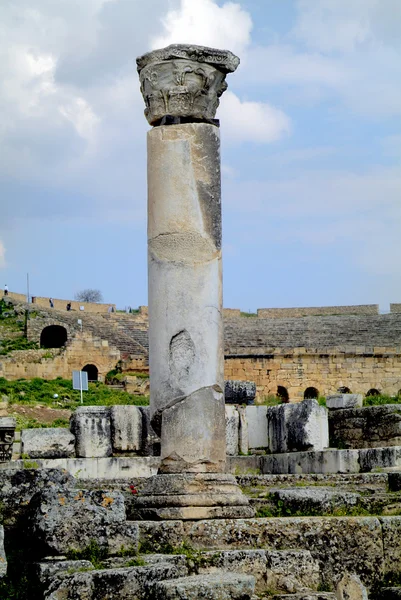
80,382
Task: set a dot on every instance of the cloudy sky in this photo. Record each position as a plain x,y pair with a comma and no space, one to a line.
311,146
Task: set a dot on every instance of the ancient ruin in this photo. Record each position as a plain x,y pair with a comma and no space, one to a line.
199,495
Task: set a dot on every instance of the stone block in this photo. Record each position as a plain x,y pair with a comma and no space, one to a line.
243,435
127,583
339,544
232,430
126,428
17,486
351,587
313,500
193,433
341,401
92,429
257,426
48,443
306,596
239,392
65,519
216,586
391,532
297,427
3,559
291,571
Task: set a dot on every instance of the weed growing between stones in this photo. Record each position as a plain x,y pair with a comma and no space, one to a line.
93,553
280,509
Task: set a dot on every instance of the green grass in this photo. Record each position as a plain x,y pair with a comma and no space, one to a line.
381,399
271,400
17,343
41,391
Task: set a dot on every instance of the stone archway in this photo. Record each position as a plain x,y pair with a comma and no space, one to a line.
282,394
53,336
311,392
344,390
93,372
373,392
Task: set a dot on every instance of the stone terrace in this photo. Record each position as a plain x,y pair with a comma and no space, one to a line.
253,335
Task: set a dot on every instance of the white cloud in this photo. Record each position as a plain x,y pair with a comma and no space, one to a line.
205,23
340,25
251,121
2,256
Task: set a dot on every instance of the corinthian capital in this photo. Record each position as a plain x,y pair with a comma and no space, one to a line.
184,81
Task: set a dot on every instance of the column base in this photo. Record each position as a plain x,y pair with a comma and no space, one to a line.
190,496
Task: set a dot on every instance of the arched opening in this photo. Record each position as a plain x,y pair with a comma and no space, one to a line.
311,392
93,373
344,390
282,394
53,336
373,392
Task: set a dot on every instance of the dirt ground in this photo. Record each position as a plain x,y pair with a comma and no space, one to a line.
43,414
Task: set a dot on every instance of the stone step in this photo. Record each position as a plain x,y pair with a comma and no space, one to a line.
367,546
305,596
216,586
350,482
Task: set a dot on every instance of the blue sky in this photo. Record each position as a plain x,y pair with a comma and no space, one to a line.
311,146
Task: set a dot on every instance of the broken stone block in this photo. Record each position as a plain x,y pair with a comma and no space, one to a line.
239,392
216,586
291,571
47,443
92,429
3,560
351,588
193,433
62,520
257,426
297,427
313,500
340,401
232,429
126,428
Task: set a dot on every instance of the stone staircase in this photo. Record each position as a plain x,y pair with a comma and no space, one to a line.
88,547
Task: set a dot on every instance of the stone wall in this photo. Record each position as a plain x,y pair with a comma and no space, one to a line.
367,427
299,368
83,349
60,304
395,308
279,313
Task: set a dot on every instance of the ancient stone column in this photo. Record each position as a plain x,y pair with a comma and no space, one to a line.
181,86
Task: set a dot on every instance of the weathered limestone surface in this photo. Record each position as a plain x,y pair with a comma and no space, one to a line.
18,486
92,430
3,559
65,519
341,401
363,460
352,544
190,496
217,586
184,81
126,428
257,427
47,443
185,296
367,427
243,433
297,427
313,500
123,583
350,587
239,392
232,429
